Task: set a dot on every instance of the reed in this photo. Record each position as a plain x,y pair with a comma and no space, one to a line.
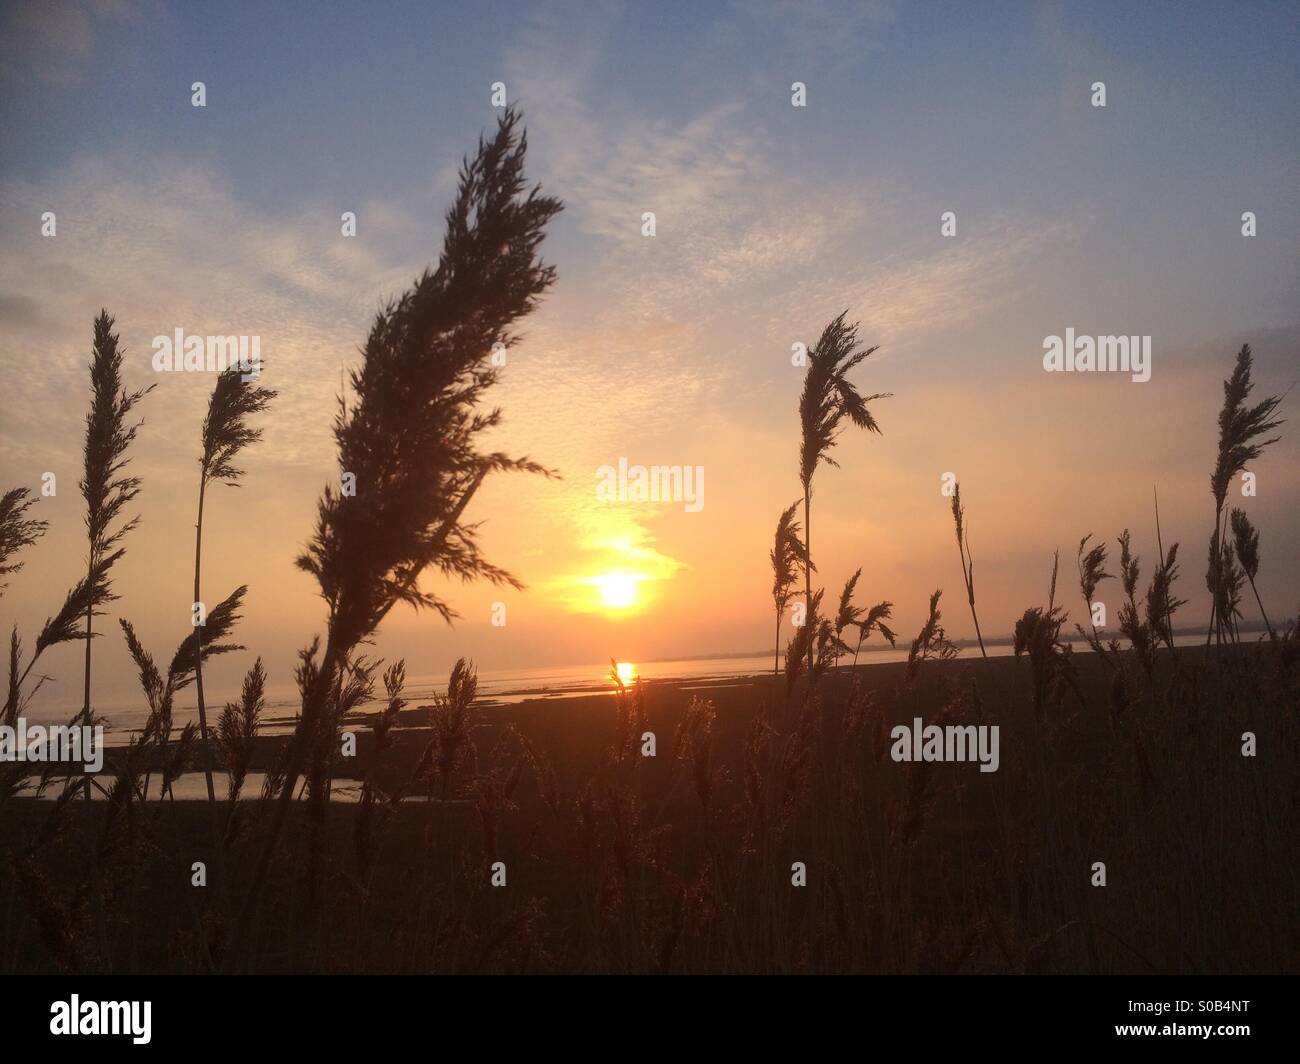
104,487
931,641
865,621
1092,571
1038,634
1241,427
1246,543
412,436
786,555
235,398
967,561
236,734
16,531
828,397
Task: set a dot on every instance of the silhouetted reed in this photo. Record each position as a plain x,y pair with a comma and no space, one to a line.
931,641
411,437
1240,429
967,561
103,486
235,398
1246,543
828,397
16,531
787,555
236,734
1092,571
865,621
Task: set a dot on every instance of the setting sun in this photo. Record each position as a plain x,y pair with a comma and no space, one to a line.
617,590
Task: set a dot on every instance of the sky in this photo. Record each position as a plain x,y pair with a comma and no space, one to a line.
675,349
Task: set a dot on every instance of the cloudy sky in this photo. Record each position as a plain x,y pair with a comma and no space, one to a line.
771,219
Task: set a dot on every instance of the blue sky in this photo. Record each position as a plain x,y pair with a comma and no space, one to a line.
771,220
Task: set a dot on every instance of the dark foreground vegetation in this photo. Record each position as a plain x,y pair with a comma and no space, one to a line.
682,862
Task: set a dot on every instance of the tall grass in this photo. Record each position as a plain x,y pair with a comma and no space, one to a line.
16,531
786,555
1241,427
967,561
235,398
1092,571
104,487
412,437
828,397
1246,543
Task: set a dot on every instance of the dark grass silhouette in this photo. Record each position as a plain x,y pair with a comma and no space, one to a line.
967,561
411,439
786,555
17,532
828,398
235,398
1240,429
104,487
1245,541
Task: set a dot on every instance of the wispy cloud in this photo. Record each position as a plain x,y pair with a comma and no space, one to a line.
170,246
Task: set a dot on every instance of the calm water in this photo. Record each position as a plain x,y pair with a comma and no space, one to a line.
499,686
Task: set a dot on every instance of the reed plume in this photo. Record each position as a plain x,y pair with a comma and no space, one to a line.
786,555
1224,580
412,437
967,562
16,531
1246,542
875,622
1092,571
1038,633
847,615
1240,429
931,641
236,732
103,486
1161,604
850,616
1130,621
235,398
828,397
799,653
87,596
159,690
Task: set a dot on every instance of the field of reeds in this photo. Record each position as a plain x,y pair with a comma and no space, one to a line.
1144,817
